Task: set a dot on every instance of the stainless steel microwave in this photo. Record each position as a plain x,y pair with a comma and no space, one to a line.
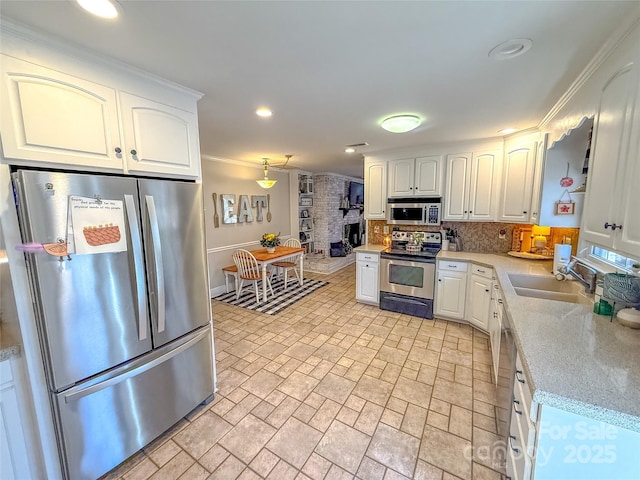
414,211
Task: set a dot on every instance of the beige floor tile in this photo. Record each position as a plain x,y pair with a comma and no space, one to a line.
213,458
230,468
424,471
264,462
202,434
461,422
298,385
336,388
195,472
247,438
394,449
412,391
294,442
374,390
142,471
344,446
414,420
283,471
164,453
370,470
454,393
369,418
446,451
316,467
174,468
282,412
262,383
325,415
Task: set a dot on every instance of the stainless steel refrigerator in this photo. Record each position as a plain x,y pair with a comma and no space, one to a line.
125,335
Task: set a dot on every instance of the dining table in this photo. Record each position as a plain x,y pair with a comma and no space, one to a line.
265,259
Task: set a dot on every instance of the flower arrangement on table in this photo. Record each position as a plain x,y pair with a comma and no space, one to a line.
270,240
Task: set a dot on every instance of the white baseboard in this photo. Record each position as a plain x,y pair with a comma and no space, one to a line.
214,292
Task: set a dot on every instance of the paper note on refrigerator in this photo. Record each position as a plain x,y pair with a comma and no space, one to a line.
98,225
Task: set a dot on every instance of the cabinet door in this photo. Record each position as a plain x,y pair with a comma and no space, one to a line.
538,173
517,183
367,282
47,116
629,237
159,138
457,186
479,301
495,330
482,188
401,174
610,132
375,190
450,294
428,176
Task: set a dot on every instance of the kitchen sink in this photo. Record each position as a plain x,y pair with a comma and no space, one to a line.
548,288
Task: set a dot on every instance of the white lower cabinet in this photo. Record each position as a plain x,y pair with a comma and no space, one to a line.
451,289
367,271
479,298
495,327
14,452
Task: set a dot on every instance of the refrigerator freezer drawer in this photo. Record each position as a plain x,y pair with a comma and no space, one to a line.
104,421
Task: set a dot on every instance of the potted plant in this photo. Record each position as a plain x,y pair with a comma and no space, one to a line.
635,268
271,241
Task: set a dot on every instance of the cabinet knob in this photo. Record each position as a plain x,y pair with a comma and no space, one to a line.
133,152
515,404
486,290
439,279
465,211
614,227
118,150
607,225
524,212
470,211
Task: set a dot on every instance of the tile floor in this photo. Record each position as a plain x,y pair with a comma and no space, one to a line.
333,389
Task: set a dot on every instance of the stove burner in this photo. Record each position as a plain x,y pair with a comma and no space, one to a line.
403,244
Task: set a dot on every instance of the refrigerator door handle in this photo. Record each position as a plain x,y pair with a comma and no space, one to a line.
83,392
136,246
157,260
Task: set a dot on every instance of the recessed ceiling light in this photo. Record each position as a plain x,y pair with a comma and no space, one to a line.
350,150
401,123
507,131
100,8
510,49
263,112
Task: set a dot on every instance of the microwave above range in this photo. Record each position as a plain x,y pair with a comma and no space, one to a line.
414,211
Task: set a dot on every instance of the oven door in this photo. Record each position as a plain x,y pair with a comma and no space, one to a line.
407,277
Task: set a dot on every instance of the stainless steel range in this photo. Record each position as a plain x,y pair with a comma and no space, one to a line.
408,271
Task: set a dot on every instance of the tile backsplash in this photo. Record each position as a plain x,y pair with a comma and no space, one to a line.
484,237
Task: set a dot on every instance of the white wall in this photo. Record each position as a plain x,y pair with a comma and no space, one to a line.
238,178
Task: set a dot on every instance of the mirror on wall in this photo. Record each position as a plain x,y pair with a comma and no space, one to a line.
564,183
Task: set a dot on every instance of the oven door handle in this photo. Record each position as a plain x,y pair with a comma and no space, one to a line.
412,259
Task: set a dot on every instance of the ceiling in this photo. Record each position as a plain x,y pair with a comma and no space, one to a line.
331,71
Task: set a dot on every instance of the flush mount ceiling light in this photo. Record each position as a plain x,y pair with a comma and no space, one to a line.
100,8
350,150
264,112
510,49
507,131
401,123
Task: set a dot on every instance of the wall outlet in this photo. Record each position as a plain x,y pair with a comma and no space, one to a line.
385,229
376,229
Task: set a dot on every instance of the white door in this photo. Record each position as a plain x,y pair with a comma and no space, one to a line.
451,292
375,190
48,116
456,189
401,177
482,188
479,301
428,176
159,138
611,127
517,183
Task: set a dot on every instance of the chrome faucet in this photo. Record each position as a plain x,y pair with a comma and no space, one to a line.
587,278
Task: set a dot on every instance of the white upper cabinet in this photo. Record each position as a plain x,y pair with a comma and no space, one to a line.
611,216
536,192
517,181
159,138
420,177
99,120
54,117
471,186
375,189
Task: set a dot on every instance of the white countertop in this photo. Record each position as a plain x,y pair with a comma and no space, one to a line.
576,360
370,248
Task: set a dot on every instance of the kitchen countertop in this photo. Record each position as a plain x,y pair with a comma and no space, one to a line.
9,344
576,360
370,248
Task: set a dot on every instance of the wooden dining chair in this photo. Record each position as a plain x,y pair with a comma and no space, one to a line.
290,263
249,271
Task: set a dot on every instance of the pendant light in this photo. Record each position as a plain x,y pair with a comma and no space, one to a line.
265,182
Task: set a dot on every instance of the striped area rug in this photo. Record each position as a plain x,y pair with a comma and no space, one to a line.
279,301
